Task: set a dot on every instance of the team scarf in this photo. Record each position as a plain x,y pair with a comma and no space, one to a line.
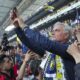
54,68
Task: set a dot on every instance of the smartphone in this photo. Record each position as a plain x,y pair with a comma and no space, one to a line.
14,13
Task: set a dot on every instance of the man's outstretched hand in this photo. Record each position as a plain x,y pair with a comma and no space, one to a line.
16,20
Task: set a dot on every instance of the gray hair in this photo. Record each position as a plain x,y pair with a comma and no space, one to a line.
67,28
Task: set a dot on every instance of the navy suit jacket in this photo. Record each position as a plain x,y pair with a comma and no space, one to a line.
39,43
77,71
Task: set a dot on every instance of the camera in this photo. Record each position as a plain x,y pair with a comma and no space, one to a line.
4,43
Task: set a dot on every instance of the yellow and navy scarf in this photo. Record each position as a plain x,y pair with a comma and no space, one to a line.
54,68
